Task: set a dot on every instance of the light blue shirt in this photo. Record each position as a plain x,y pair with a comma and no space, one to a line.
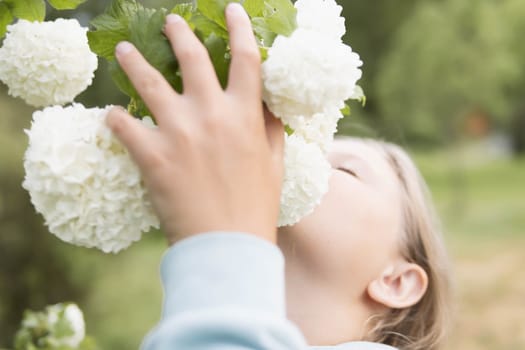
225,291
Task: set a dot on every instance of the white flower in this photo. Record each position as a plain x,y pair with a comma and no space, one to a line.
75,317
358,94
72,315
53,313
322,16
319,129
308,73
306,177
82,180
47,63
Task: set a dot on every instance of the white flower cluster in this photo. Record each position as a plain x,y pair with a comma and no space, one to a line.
48,327
312,70
83,181
321,16
47,63
75,318
307,77
318,129
306,178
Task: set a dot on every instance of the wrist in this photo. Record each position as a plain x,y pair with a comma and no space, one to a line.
268,234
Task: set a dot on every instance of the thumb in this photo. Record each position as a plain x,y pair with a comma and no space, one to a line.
275,135
130,132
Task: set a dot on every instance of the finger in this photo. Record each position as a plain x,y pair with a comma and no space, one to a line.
131,133
275,135
156,92
198,74
245,69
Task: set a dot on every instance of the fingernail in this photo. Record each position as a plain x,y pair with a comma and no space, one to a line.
116,110
112,117
121,109
123,48
173,18
235,8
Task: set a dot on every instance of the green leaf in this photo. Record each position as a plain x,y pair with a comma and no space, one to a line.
111,28
262,32
137,107
185,10
346,111
280,16
146,34
31,10
204,27
277,17
65,4
107,36
127,20
6,17
254,8
220,57
214,10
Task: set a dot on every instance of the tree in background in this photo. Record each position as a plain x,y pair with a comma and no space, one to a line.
515,12
448,60
371,26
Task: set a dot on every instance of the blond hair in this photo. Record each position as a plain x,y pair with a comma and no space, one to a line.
424,325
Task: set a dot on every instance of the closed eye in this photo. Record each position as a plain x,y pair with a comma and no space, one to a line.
348,171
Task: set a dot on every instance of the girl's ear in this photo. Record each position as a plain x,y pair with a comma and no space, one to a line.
399,286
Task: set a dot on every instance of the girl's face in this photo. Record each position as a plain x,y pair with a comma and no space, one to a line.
350,238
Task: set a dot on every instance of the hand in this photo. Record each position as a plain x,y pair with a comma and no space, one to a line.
215,160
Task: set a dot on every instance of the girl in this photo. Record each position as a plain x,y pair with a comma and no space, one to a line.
366,270
369,263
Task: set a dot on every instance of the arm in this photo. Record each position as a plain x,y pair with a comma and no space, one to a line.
213,164
224,291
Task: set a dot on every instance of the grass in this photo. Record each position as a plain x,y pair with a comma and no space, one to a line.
478,200
482,207
481,202
125,299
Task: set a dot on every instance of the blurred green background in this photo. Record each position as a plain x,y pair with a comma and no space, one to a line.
445,79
